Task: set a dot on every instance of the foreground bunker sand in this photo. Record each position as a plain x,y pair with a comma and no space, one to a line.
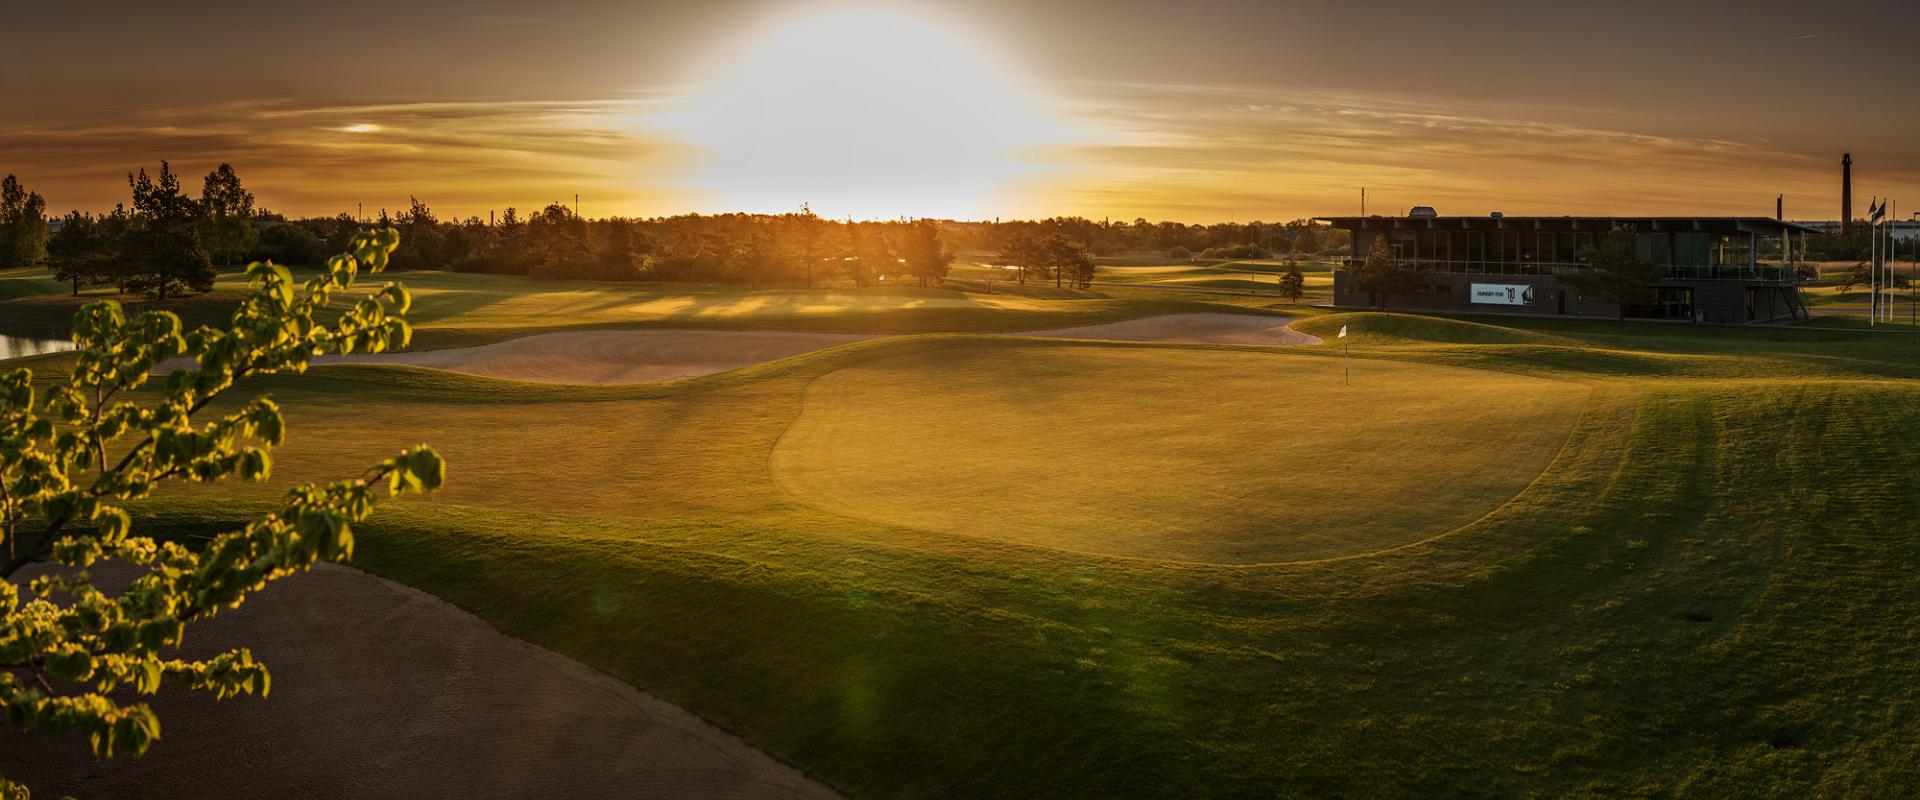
381,691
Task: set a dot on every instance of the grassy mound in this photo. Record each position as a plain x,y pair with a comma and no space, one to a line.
1375,328
1220,457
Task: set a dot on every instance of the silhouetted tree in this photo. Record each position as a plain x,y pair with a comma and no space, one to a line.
84,251
1069,261
23,225
1025,254
422,238
801,234
290,244
226,216
927,259
162,247
1293,284
868,256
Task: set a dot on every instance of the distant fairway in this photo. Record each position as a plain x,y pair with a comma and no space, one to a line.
452,309
1220,457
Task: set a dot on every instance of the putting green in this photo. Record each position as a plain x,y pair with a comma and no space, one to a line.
1186,455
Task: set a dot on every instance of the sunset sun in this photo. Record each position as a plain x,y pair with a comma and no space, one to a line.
869,114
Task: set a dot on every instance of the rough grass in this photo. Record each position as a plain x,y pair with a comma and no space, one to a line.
1707,592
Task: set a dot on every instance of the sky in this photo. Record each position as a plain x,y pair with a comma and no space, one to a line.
1194,111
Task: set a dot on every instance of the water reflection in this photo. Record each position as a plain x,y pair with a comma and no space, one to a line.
21,346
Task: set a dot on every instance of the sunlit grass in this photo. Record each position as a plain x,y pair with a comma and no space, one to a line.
1703,586
1152,453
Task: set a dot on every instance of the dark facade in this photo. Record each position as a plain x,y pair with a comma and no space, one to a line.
1714,269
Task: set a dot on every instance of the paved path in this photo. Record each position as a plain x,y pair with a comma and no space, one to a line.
382,691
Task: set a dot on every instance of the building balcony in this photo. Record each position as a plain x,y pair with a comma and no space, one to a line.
1774,273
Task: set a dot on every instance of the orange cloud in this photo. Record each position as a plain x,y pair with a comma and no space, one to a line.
1187,152
462,158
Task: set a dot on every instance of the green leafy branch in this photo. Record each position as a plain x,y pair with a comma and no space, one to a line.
73,456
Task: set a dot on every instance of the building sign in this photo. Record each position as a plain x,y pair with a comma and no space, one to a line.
1502,294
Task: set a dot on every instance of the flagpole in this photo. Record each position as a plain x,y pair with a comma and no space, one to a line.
1873,264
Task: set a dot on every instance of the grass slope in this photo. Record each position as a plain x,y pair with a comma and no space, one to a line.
1707,591
1222,457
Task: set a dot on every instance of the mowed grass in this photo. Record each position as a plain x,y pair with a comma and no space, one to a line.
1181,455
27,282
457,309
1259,277
1706,589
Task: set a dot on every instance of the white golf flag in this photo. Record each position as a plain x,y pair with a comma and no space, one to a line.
1343,332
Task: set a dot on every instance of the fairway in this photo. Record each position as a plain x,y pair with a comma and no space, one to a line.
452,309
1649,563
1184,455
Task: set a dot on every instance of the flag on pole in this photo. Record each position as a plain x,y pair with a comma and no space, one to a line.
1343,332
1877,213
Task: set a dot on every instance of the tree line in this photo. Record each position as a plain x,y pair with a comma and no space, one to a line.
165,241
161,244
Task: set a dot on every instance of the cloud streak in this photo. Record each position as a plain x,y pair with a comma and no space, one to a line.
1209,152
464,158
1188,152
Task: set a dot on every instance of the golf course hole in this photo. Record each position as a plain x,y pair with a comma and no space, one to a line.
1173,454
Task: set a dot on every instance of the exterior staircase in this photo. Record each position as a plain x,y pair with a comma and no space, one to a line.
1796,305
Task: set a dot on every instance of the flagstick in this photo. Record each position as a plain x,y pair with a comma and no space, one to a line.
1888,250
1346,349
1873,266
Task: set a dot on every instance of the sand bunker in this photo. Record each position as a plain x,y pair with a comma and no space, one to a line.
384,691
613,357
646,356
601,357
1191,328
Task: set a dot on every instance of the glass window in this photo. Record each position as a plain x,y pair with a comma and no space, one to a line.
1693,249
1654,247
1406,245
1530,248
1474,248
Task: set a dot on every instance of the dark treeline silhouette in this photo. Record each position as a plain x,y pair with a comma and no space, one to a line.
166,242
794,249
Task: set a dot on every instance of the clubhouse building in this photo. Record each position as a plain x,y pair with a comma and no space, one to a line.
1713,269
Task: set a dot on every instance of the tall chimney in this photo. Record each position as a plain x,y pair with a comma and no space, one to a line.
1780,208
1846,192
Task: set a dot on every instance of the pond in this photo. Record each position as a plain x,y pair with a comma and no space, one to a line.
22,346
